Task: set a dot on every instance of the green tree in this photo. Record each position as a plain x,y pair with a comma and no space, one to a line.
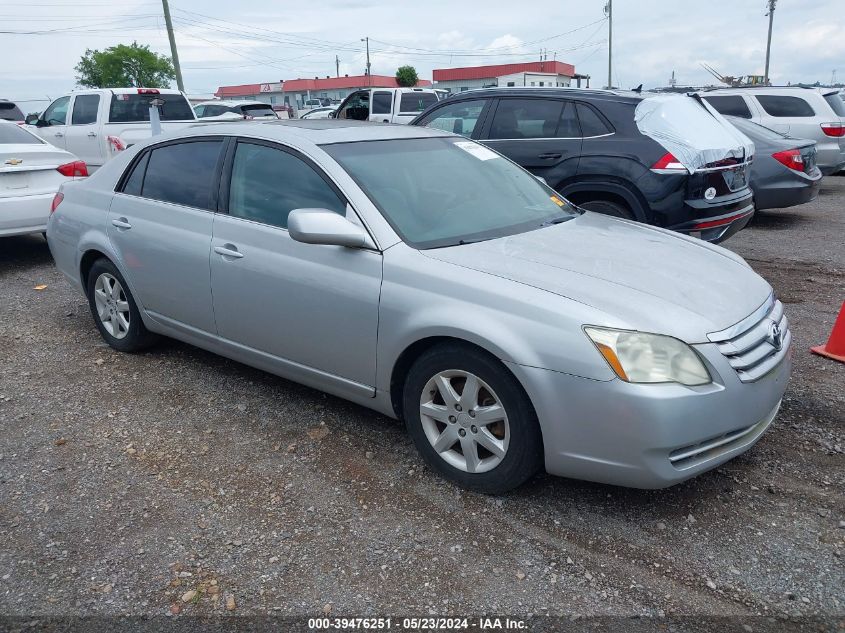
406,76
124,66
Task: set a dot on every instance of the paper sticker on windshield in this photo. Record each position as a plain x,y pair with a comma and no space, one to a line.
557,201
479,151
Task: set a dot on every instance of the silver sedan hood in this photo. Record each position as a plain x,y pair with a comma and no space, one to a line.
640,277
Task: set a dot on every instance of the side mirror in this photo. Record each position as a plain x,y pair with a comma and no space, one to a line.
333,115
321,226
31,119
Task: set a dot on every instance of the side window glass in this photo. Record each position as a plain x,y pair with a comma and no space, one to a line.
381,102
85,109
199,111
732,105
132,185
785,106
357,107
460,117
56,114
268,183
182,173
526,118
568,126
591,123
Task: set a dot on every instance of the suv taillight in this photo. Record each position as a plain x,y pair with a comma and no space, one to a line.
74,169
836,130
57,200
668,163
791,158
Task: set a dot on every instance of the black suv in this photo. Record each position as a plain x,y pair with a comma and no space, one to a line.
586,144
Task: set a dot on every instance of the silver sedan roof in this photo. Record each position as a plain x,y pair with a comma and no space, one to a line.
316,131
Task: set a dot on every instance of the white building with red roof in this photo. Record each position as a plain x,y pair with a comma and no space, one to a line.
539,74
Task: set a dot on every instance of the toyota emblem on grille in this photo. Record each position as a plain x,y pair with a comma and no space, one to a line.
775,336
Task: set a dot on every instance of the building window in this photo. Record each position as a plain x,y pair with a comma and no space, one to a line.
532,83
541,83
511,84
464,88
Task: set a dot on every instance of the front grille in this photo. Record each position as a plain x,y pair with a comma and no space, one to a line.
716,446
758,343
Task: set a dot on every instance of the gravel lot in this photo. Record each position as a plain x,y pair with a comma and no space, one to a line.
177,481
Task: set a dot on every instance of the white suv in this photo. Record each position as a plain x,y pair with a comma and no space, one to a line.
812,113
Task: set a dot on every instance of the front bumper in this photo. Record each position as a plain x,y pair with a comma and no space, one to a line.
650,436
20,215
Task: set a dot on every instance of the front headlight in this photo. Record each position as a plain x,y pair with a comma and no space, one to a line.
649,358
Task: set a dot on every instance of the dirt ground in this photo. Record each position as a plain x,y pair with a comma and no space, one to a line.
176,481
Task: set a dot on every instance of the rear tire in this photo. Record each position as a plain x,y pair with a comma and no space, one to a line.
114,309
471,420
606,207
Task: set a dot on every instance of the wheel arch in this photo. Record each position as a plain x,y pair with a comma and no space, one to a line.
612,191
414,350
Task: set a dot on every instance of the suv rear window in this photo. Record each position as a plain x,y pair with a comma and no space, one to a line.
731,105
257,110
131,108
835,101
780,106
10,112
417,101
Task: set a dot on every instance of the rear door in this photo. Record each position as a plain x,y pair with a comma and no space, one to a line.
160,224
542,135
381,106
82,133
789,114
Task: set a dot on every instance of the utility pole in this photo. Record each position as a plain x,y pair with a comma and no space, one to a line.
337,66
173,52
771,15
608,10
369,76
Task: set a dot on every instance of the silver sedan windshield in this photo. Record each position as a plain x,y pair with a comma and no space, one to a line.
439,192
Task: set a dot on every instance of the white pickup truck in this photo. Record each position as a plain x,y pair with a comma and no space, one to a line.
96,124
385,105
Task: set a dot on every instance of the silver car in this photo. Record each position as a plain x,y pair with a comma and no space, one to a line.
422,275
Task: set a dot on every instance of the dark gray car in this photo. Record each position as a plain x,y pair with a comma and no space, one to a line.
784,171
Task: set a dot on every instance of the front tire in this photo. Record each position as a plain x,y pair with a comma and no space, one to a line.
471,420
114,309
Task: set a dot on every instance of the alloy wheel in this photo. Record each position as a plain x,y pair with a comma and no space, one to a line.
112,305
465,421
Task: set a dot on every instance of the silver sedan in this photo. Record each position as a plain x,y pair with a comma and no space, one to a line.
422,275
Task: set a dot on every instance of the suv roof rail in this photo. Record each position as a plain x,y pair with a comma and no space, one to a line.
757,86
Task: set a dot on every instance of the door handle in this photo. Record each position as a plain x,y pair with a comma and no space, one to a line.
228,250
121,223
549,156
92,134
58,134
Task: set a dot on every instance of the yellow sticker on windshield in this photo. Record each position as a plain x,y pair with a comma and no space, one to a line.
557,201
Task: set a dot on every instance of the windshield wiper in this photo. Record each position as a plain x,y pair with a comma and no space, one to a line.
559,220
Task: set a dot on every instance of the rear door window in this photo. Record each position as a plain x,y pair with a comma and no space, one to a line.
183,173
459,117
780,106
255,110
132,108
591,123
526,118
731,105
416,102
85,109
382,102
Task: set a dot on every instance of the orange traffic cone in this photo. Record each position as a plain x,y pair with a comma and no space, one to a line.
835,347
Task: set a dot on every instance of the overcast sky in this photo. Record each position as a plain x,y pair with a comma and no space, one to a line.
223,42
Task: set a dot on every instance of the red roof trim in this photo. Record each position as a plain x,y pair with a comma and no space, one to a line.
487,72
334,83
